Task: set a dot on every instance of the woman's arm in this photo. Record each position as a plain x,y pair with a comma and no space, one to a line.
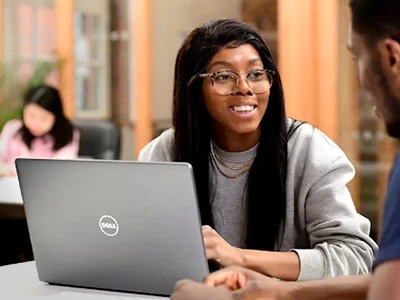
7,134
283,265
244,284
247,284
339,241
339,288
338,235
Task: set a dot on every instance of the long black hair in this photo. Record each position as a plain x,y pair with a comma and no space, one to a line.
49,98
192,122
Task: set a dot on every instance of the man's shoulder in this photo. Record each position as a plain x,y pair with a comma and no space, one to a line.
390,237
393,185
396,164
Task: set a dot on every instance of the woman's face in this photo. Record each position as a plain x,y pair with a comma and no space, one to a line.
239,112
38,120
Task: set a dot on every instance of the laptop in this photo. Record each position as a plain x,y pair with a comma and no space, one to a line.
113,225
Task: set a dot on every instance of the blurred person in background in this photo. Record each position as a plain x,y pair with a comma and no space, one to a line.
42,132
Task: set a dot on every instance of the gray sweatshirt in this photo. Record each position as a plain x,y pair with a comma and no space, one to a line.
322,225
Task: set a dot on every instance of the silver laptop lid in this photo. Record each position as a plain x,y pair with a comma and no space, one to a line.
126,226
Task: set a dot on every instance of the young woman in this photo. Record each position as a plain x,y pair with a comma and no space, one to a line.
271,190
43,131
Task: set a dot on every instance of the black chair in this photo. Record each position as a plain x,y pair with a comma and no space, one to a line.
99,139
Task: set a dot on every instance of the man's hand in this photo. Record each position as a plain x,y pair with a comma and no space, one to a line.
219,250
190,290
234,278
246,284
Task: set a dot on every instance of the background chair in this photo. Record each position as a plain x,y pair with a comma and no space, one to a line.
100,139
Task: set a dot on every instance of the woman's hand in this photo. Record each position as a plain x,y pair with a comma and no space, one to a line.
219,250
282,265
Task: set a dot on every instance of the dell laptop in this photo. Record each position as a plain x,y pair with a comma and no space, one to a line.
113,225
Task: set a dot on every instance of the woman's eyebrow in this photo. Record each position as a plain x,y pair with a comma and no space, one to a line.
220,62
229,65
253,61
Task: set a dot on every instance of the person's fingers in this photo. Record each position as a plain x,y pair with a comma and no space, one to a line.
190,290
209,242
206,228
182,283
218,277
211,247
207,231
218,249
251,290
242,281
232,282
231,278
212,254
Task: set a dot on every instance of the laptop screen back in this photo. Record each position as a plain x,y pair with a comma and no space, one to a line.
127,226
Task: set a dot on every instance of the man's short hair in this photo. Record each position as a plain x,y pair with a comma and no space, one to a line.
376,19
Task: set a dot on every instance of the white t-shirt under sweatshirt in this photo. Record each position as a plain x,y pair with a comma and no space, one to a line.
322,225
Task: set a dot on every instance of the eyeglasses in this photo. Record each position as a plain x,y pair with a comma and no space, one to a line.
227,82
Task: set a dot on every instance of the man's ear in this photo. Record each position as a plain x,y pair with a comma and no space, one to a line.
389,51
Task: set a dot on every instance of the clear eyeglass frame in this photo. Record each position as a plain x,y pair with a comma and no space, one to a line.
251,83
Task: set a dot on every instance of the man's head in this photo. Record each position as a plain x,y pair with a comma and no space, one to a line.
374,41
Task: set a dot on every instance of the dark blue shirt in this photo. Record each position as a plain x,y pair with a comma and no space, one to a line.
389,248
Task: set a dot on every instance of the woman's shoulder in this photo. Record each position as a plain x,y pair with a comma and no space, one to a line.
159,149
309,142
302,134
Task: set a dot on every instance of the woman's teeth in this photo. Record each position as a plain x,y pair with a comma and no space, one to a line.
243,108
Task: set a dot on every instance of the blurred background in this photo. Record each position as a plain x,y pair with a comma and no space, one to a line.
113,61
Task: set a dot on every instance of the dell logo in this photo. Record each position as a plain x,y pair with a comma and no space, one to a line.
108,225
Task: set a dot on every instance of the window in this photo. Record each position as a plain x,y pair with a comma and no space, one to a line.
88,65
30,36
34,38
91,58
